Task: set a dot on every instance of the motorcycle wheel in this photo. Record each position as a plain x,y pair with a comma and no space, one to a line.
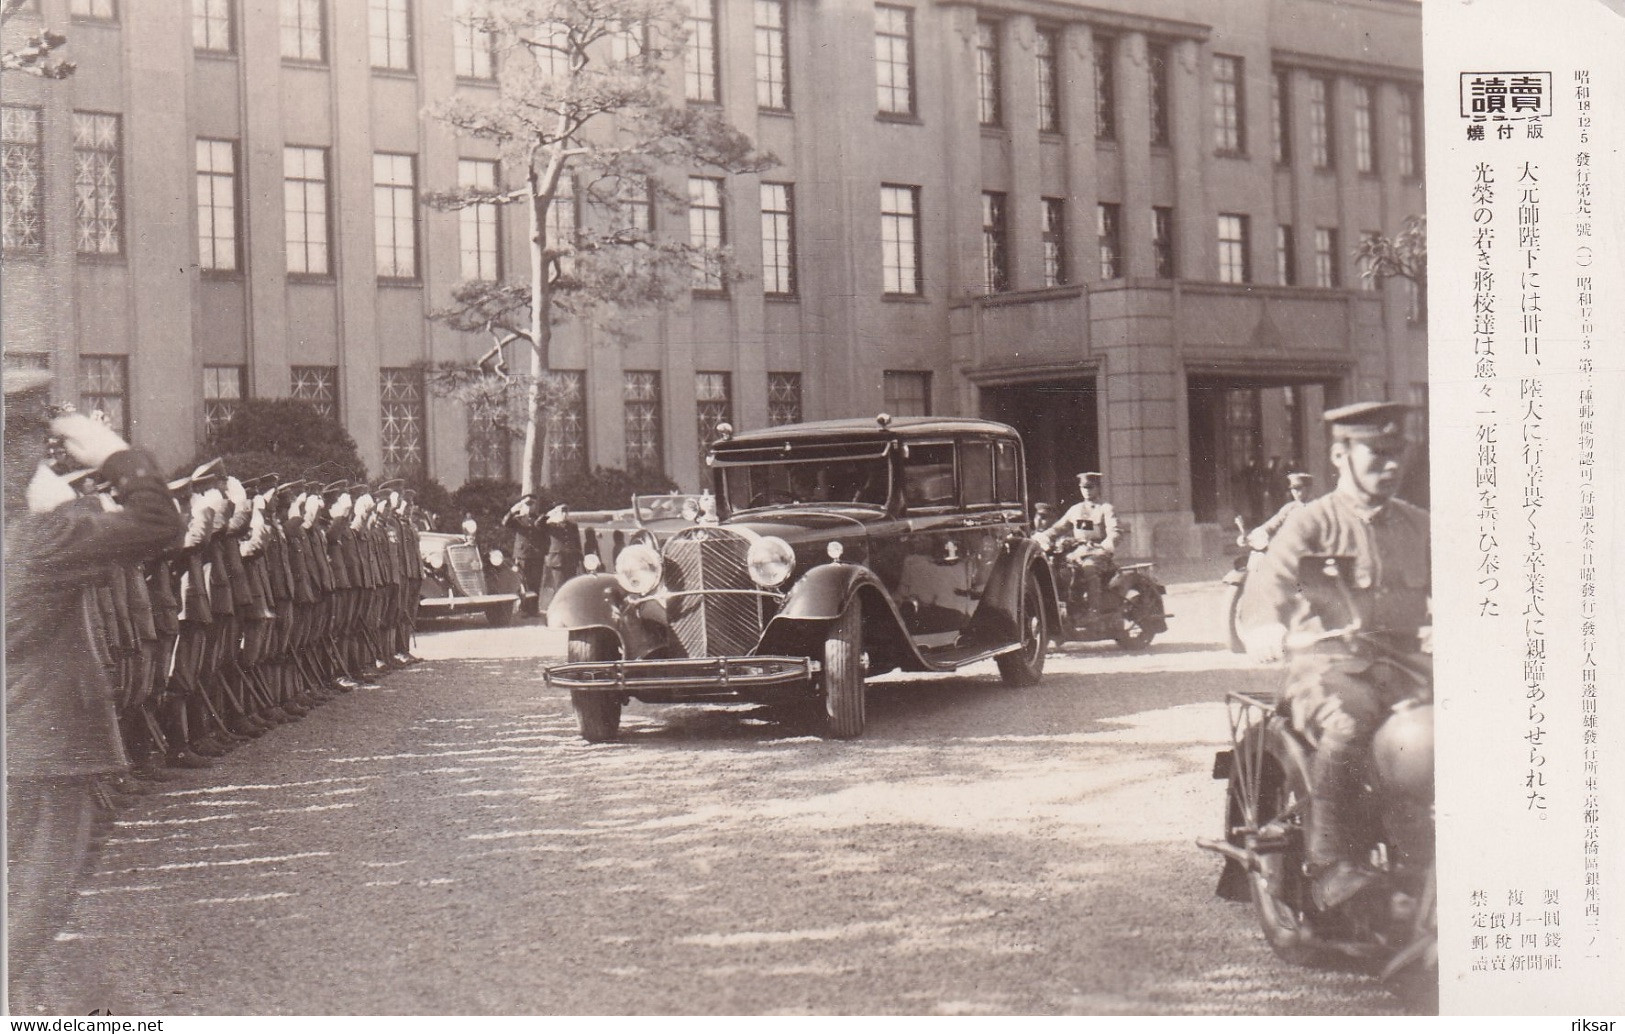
1232,611
1280,887
1140,603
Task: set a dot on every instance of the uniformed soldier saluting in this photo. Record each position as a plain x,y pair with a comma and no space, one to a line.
1337,697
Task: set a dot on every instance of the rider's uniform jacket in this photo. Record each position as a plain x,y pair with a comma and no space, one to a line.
1092,523
1276,523
1391,553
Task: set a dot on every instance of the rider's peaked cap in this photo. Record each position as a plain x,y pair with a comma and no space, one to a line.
1366,421
1092,476
1297,479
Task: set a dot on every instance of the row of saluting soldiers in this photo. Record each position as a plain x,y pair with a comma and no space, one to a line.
282,595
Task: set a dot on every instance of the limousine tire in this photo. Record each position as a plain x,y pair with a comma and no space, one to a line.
843,674
1025,666
597,714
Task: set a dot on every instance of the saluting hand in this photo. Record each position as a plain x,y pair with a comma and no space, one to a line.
87,440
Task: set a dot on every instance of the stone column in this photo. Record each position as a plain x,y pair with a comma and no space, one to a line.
1024,211
1077,75
1134,143
1193,221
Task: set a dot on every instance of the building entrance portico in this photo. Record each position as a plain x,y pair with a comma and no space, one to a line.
1058,420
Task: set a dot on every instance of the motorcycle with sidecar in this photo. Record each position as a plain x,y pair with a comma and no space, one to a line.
1392,927
1128,608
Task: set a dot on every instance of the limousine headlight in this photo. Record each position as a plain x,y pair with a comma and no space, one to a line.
638,569
770,561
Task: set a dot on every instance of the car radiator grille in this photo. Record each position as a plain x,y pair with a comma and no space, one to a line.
712,625
467,573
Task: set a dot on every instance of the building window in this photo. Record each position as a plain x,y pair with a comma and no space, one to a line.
395,208
900,258
894,59
629,42
706,232
317,385
1105,88
1286,256
634,205
1321,151
1156,61
700,52
217,204
561,226
104,390
98,184
473,50
304,206
778,239
567,423
478,225
99,10
487,447
1047,46
222,390
783,399
1235,263
390,30
989,108
304,31
1281,114
1054,238
23,168
211,26
1327,267
713,401
1407,138
401,420
995,244
1365,131
1229,108
906,392
1111,242
645,452
772,57
1162,242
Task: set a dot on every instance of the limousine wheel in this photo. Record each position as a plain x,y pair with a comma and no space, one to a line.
598,714
1024,667
843,674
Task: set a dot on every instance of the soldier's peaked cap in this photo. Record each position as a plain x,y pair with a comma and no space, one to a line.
336,488
1090,475
201,475
1300,480
1363,421
392,485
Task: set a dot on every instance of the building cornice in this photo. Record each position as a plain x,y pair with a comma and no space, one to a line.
1346,66
1059,12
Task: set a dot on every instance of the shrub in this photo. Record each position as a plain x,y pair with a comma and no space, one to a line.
286,437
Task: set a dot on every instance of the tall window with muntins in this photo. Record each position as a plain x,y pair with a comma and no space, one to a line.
772,57
700,51
473,53
22,179
713,405
1046,47
906,392
995,243
567,423
104,389
222,391
211,26
394,199
1286,256
1281,114
894,59
1156,61
634,205
217,205
99,10
989,104
561,226
778,240
1162,242
389,26
1365,129
98,184
900,258
1229,108
645,448
1104,48
478,225
401,420
629,42
1321,151
706,232
304,31
304,209
1235,261
1406,140
553,52
1054,239
783,399
317,385
1328,271
487,446
1108,234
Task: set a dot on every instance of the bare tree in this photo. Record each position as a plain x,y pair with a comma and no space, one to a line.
33,55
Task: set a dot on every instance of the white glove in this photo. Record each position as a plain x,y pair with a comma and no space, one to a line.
313,509
363,507
90,442
1266,644
239,503
48,490
1258,539
197,524
341,507
215,501
255,541
295,506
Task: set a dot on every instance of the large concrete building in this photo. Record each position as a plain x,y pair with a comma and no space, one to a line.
1125,227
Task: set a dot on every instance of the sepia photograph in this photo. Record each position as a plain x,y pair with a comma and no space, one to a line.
798,507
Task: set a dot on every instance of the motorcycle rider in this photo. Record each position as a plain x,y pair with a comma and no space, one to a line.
1299,485
1092,524
1337,697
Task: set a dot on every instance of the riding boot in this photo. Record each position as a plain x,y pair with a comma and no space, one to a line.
1334,781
